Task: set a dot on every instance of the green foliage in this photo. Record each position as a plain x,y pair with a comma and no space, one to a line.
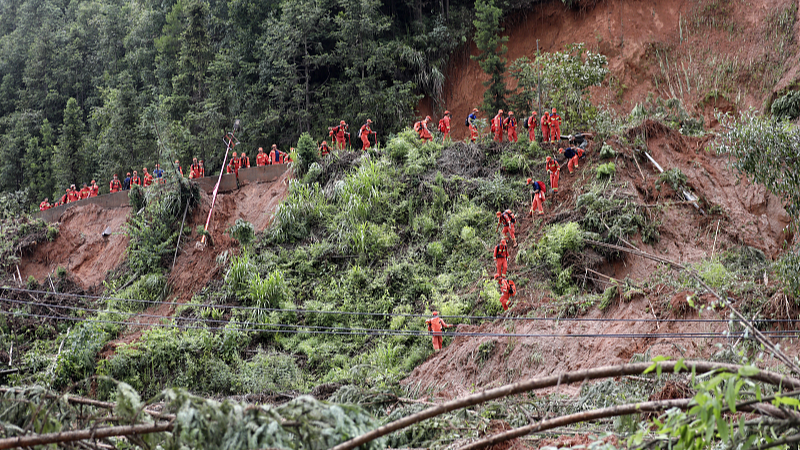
715,275
492,48
242,231
271,292
613,216
136,198
306,153
787,107
674,177
150,287
304,207
17,233
670,112
68,163
240,271
557,240
606,171
607,151
567,77
78,358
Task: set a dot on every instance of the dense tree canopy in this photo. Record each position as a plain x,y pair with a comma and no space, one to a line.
86,88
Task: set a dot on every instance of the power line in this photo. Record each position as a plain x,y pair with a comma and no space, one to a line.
295,329
360,313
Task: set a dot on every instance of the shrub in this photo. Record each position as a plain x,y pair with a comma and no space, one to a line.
607,151
240,271
271,373
674,177
306,153
435,251
304,208
513,163
52,233
606,171
150,287
242,231
267,293
557,240
787,107
78,357
714,274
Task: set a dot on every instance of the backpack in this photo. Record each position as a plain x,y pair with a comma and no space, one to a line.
542,187
512,288
417,126
442,127
525,123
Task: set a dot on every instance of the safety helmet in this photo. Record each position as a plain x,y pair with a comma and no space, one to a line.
323,143
499,214
128,174
508,211
474,109
234,153
447,113
274,145
201,161
72,187
529,181
261,149
341,122
428,118
533,113
135,172
243,155
499,111
369,120
503,241
436,313
554,110
194,159
549,158
178,162
115,175
511,113
93,182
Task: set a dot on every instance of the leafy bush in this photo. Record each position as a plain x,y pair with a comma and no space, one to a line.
787,107
514,163
611,215
267,293
240,271
306,153
674,177
271,373
79,354
715,274
242,231
607,151
304,207
606,171
557,240
150,287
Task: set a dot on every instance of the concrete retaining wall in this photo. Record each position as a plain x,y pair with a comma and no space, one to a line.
227,184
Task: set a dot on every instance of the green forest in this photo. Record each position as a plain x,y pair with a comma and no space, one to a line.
89,87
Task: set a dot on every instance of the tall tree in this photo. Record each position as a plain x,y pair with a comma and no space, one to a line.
37,163
68,165
492,46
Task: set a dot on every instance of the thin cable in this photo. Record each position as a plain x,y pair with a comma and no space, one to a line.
358,313
417,333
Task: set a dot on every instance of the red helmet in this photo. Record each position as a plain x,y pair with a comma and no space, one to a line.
533,113
499,214
93,182
128,174
554,110
474,109
561,150
447,113
529,181
436,313
427,117
503,241
323,143
369,120
511,113
499,111
341,122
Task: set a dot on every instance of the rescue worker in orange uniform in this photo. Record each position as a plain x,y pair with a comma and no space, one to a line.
45,205
324,150
573,154
115,185
84,192
507,290
202,170
554,169
135,180
147,179
421,127
508,221
545,127
275,155
511,125
435,325
473,129
233,166
537,196
555,127
94,189
532,123
501,259
195,167
497,126
364,133
244,161
444,125
261,158
340,134
72,194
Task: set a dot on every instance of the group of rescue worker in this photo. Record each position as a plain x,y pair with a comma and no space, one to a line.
507,123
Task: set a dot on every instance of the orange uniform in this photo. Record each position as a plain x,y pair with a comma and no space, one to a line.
136,180
94,189
421,127
148,179
532,122
115,185
507,220
537,196
573,154
261,158
435,325
324,150
85,192
507,290
44,206
497,126
444,125
555,171
511,125
72,195
473,130
555,126
501,259
546,127
244,162
364,133
340,134
201,171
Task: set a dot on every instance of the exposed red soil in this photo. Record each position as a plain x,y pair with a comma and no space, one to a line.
80,247
635,36
751,217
